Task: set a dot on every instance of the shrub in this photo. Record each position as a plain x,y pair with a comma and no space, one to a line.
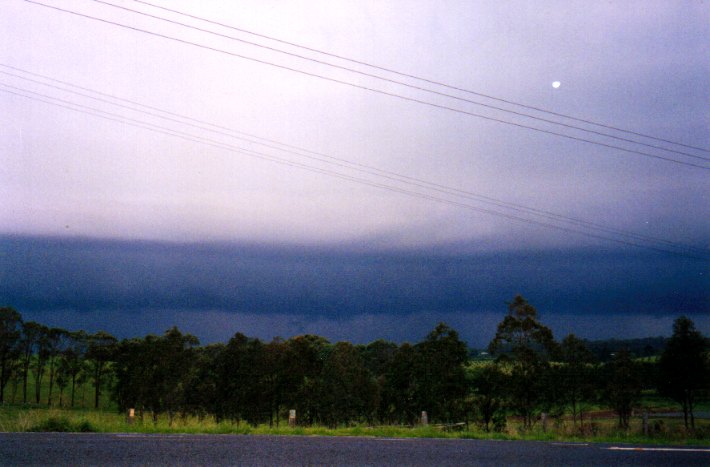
63,424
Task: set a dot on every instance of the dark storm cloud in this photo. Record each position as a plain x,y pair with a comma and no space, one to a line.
91,275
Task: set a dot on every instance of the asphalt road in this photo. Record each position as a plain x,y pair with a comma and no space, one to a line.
130,449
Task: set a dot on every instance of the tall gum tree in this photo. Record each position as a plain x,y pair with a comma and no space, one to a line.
685,368
525,345
10,333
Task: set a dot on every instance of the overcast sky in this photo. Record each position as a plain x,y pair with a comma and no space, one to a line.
639,66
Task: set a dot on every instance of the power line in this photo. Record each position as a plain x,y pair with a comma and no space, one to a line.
378,91
419,78
401,83
204,125
207,141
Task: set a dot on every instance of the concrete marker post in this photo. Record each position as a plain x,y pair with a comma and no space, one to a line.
292,418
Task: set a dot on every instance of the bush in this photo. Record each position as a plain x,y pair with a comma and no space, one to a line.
63,424
85,427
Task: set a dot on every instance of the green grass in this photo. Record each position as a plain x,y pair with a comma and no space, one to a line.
17,418
83,397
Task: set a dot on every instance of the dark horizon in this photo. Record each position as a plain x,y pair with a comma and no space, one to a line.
137,287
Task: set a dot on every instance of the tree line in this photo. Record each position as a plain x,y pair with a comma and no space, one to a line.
248,380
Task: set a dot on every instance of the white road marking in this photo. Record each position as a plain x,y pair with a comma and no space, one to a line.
393,439
618,448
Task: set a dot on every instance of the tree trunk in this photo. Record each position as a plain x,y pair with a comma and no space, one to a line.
97,386
2,384
38,384
73,388
15,382
51,382
690,409
25,378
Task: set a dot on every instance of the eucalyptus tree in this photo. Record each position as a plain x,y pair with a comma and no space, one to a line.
623,385
175,362
133,368
526,346
304,357
241,387
73,363
154,373
31,334
100,349
487,389
442,385
685,368
41,357
275,377
575,378
346,390
58,340
201,385
399,387
378,355
69,362
10,332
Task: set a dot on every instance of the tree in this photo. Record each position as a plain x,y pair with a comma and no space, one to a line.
623,387
31,333
346,389
154,373
526,345
575,377
10,332
175,360
487,385
399,387
58,341
274,377
73,361
304,357
134,366
201,388
442,385
40,359
242,372
378,355
684,367
101,347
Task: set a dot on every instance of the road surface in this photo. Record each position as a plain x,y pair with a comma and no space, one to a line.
130,449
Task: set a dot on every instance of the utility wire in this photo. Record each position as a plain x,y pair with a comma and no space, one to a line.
402,83
418,78
205,126
379,91
207,141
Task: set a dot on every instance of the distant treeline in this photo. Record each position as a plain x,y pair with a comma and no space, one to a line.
256,382
604,349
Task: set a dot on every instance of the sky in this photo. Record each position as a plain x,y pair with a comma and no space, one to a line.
226,175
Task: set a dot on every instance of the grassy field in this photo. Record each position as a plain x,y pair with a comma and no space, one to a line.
662,430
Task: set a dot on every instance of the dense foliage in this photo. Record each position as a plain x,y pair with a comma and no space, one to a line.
251,381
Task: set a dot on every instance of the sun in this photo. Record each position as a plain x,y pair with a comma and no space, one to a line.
556,84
